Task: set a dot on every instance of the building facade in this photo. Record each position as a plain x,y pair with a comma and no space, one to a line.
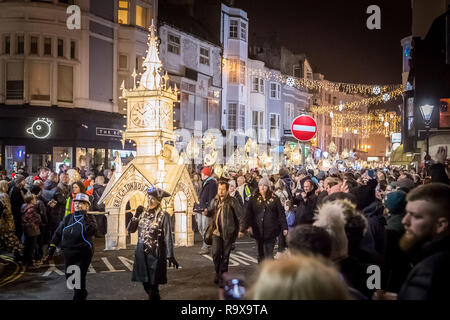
59,87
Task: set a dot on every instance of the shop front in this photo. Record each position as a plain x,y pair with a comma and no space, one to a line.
34,137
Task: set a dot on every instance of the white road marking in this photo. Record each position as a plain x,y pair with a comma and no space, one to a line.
127,262
52,268
109,266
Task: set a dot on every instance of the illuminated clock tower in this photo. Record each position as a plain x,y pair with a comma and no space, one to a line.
150,105
157,161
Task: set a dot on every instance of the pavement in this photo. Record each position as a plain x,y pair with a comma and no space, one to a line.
109,276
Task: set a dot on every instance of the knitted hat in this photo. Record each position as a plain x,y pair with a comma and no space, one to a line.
264,181
395,202
206,171
405,183
232,183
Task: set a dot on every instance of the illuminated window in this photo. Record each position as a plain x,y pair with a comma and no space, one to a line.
233,71
204,56
39,81
141,17
122,14
242,72
65,84
173,44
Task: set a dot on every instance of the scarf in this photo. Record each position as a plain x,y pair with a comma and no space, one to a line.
151,229
219,215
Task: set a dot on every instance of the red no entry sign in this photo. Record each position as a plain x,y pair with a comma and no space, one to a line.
304,127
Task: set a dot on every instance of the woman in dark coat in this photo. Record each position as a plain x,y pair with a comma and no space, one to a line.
265,219
155,243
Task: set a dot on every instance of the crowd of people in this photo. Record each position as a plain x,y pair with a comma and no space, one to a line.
331,228
33,206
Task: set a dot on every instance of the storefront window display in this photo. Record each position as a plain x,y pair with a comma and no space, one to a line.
90,159
14,158
62,155
125,155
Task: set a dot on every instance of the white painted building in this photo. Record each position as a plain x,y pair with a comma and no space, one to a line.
234,38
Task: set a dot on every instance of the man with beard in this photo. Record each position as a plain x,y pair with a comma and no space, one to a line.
427,239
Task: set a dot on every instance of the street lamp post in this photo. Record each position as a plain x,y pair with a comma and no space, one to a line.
427,111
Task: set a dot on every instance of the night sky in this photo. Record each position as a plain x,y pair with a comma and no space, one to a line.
334,36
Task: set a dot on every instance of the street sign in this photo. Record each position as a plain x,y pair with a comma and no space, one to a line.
304,128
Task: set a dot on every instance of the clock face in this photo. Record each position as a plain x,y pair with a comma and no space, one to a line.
141,116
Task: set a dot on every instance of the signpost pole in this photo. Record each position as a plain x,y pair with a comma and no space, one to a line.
303,153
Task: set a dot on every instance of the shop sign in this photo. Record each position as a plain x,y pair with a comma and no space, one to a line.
41,128
108,132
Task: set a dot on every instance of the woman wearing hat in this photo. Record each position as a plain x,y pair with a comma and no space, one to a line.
265,219
155,243
75,236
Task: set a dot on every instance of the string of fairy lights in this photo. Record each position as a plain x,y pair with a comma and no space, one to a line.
234,66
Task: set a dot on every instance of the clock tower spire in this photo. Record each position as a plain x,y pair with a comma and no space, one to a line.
150,105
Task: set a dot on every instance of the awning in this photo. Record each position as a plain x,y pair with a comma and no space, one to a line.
397,157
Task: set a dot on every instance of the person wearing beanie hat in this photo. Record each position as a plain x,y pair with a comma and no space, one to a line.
17,195
395,204
265,219
208,193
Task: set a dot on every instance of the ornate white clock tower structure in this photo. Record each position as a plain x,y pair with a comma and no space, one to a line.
157,162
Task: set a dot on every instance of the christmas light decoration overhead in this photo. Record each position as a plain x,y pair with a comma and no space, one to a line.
302,83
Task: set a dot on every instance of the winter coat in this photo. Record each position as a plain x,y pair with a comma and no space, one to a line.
16,201
31,220
429,279
209,192
49,190
266,217
283,196
377,228
152,267
438,173
7,219
305,208
232,218
76,232
238,197
394,222
96,195
288,181
61,194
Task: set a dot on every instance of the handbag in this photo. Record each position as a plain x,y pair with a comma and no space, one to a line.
207,237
